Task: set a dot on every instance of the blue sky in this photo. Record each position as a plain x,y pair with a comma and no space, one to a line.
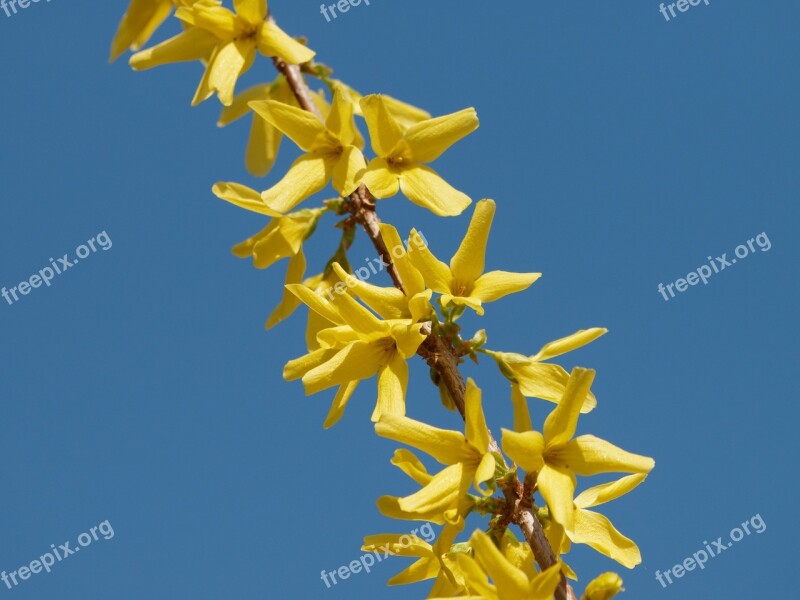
622,150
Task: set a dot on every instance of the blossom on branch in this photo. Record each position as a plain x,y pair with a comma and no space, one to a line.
228,41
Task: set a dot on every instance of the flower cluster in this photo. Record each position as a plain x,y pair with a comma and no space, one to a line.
530,478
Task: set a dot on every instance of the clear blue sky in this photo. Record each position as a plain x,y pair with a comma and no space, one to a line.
622,150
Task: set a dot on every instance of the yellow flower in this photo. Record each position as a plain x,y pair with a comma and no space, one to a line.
604,587
320,285
390,302
265,140
556,457
429,564
282,238
389,506
402,153
594,529
230,41
464,283
358,347
531,377
467,458
330,152
509,581
405,114
141,20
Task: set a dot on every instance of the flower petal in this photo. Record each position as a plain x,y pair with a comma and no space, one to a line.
510,581
225,66
252,11
384,131
588,455
340,120
316,303
448,447
398,545
569,343
243,197
485,472
441,493
381,179
298,367
389,303
498,284
546,381
273,41
408,463
559,427
308,175
434,272
595,530
348,171
607,492
413,281
340,403
300,126
477,432
545,583
424,187
557,486
392,385
429,139
421,570
522,416
192,44
526,449
289,302
389,506
138,25
359,360
468,262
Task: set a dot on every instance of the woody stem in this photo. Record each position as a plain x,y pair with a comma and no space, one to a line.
438,352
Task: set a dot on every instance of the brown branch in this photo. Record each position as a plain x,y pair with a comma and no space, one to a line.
437,351
294,77
361,205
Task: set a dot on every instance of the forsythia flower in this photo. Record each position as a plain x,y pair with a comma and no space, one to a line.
321,285
429,565
403,151
389,302
467,456
330,152
595,530
604,587
404,113
389,506
282,238
141,20
360,346
229,40
556,458
464,283
264,140
534,378
509,582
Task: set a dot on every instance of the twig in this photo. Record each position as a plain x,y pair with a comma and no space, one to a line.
437,352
